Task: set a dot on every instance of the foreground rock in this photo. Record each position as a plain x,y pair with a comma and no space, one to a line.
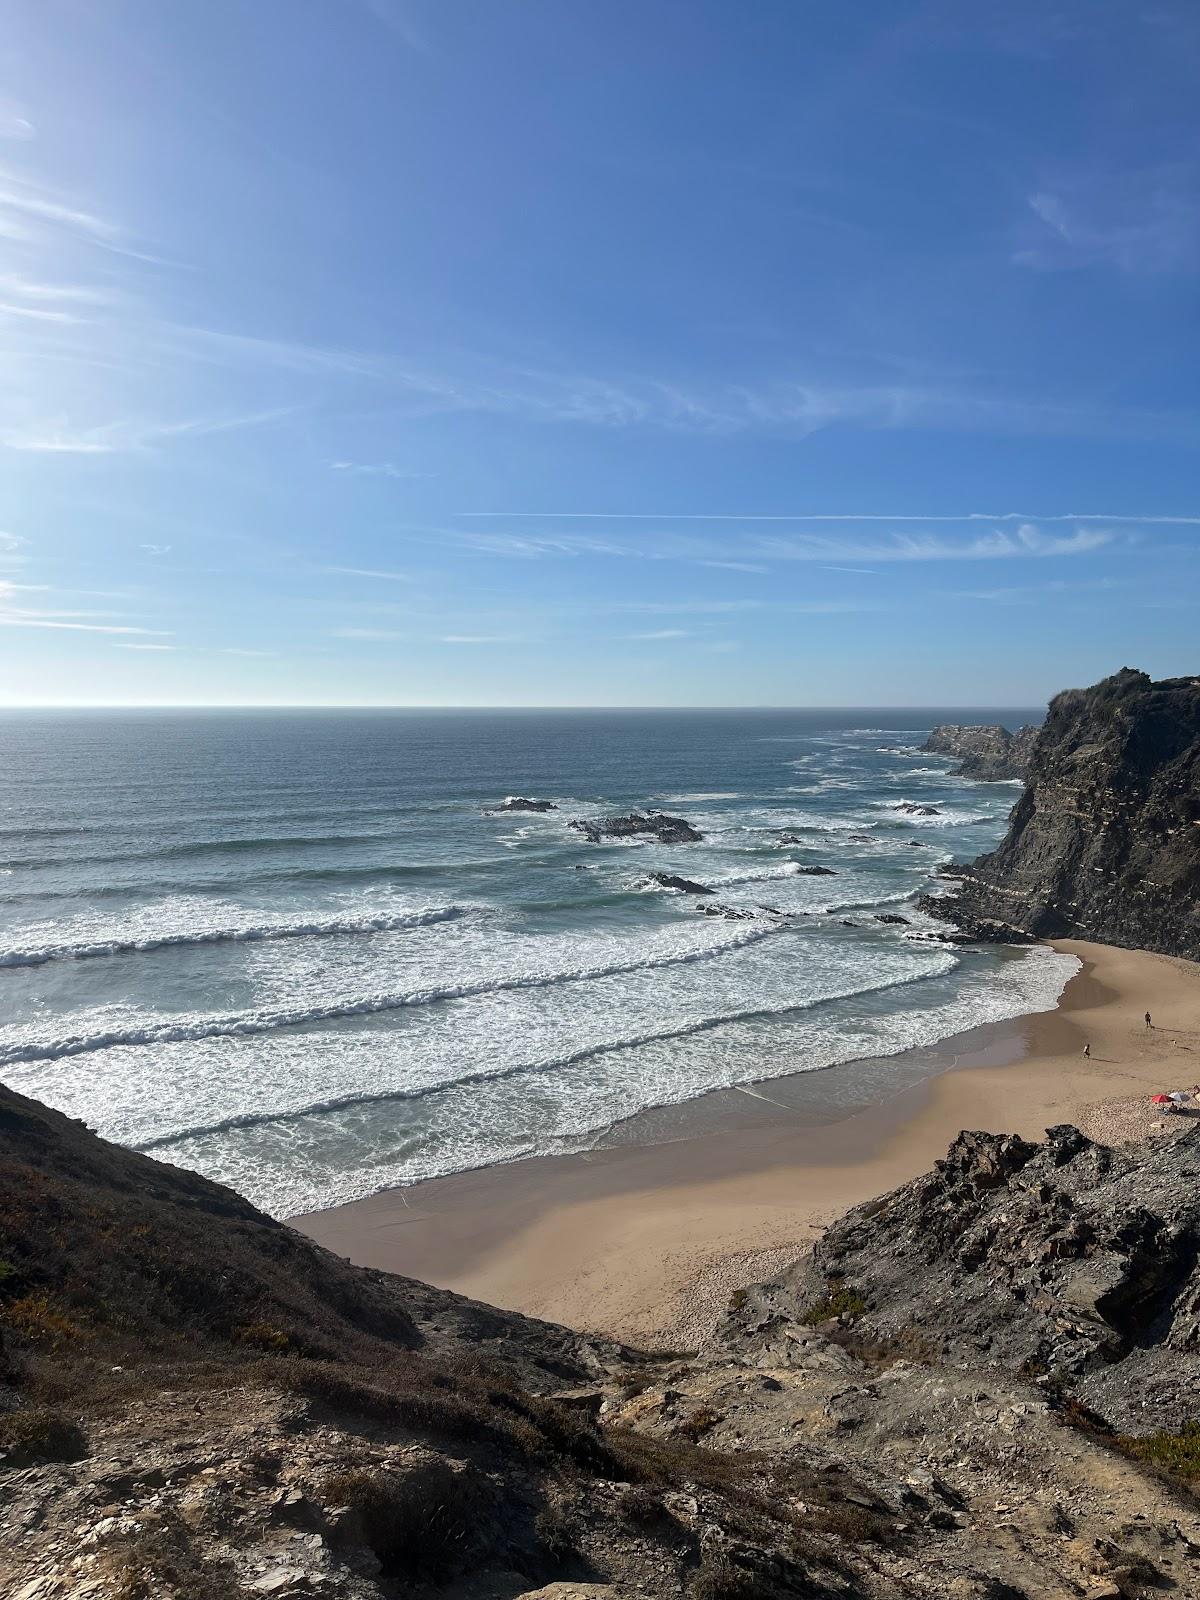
197,1403
1066,1262
654,824
988,753
1105,842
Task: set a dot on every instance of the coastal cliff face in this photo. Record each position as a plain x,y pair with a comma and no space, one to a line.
988,753
1105,841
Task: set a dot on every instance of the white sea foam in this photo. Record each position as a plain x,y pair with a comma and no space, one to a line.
36,955
268,1021
547,1106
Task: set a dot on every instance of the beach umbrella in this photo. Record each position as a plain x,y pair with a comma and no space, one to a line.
1160,1099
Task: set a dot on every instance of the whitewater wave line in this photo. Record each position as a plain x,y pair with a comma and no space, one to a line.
252,1119
211,847
234,1027
144,886
86,950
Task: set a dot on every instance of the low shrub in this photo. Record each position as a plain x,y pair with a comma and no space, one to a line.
421,1524
28,1438
718,1578
697,1423
641,1506
839,1300
1177,1454
262,1336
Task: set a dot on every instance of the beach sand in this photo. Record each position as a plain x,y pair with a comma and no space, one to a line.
645,1241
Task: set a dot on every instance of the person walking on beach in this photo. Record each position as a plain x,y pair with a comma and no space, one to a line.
1149,1024
1087,1051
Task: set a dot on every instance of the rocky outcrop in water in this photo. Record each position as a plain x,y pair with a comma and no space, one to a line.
668,880
518,802
1105,841
988,753
653,824
914,808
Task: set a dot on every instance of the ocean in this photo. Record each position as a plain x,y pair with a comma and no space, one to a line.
301,952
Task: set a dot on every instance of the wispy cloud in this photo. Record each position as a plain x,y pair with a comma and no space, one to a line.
1137,222
396,16
14,124
836,516
370,572
479,638
30,619
700,607
128,434
732,566
119,645
36,313
366,633
155,549
375,469
663,633
1024,542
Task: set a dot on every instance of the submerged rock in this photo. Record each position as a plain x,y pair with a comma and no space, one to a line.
815,872
655,824
912,809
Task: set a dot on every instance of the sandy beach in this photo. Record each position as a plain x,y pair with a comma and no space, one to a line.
645,1241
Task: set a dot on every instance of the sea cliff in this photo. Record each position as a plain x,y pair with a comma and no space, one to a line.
1104,843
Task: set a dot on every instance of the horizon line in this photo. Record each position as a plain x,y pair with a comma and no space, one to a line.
363,705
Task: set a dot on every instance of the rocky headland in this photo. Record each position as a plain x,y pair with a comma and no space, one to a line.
965,1393
988,753
1104,843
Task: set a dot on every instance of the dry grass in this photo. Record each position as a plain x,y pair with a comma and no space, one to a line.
39,1317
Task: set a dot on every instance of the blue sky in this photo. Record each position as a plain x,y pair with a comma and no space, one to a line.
602,352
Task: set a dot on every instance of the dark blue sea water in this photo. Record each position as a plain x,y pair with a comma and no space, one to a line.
294,951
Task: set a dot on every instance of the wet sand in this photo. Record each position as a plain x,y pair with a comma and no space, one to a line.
645,1240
